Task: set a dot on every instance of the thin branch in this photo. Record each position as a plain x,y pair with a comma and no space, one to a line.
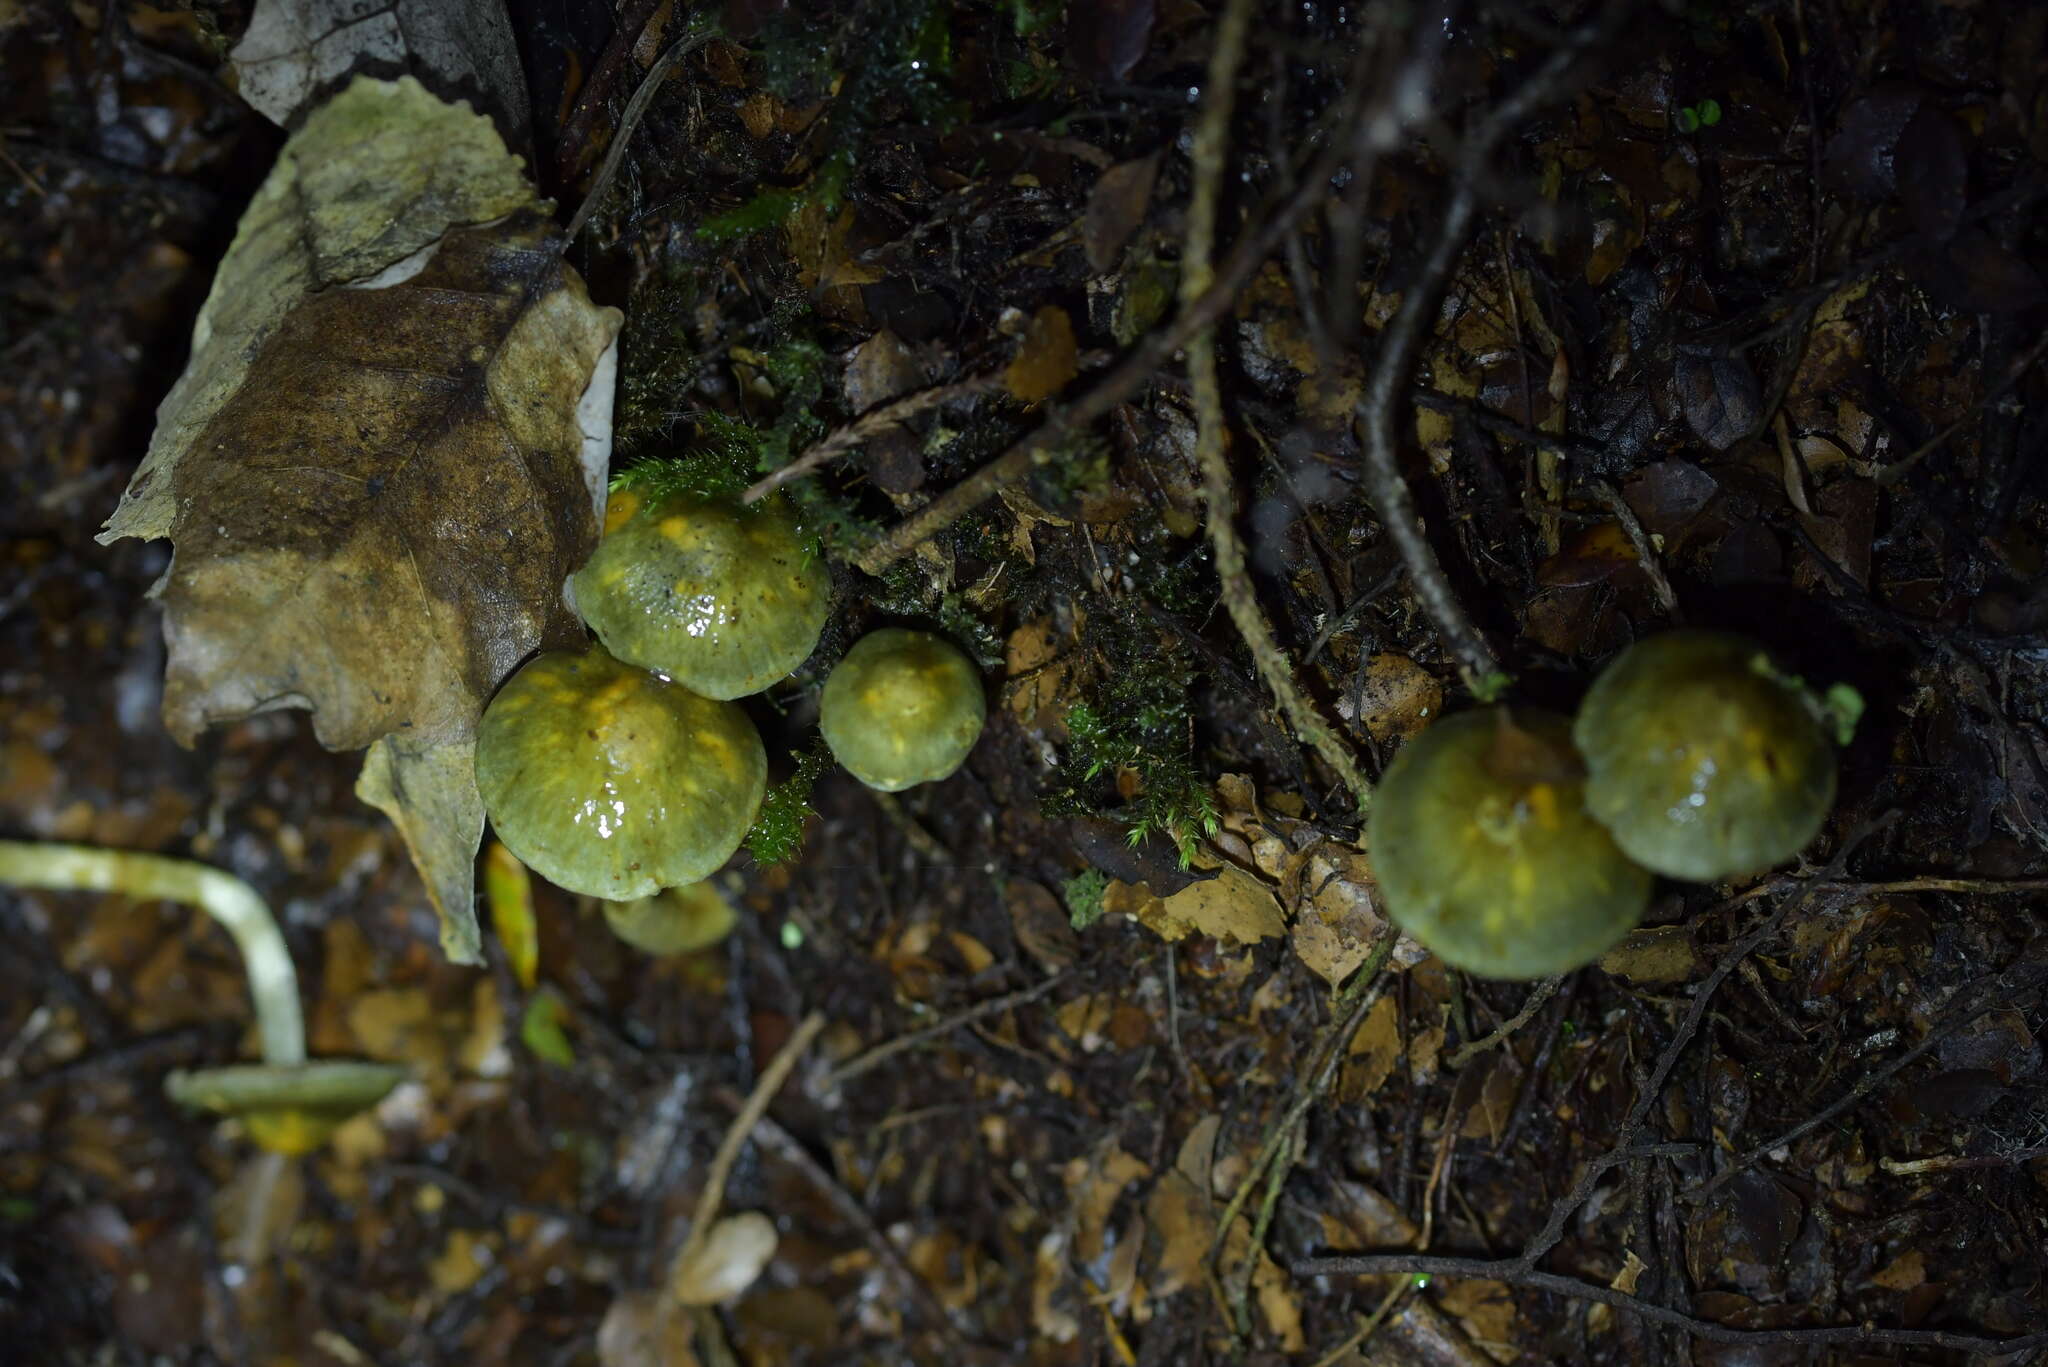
770,1082
1646,551
1348,1012
1399,344
1540,994
1511,1271
791,1150
888,1049
1958,1013
1041,446
876,422
1210,152
1652,1087
622,136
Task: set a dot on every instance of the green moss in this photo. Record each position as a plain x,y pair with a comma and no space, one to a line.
1083,895
1138,718
777,836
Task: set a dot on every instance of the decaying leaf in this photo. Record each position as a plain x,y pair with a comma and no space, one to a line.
1396,699
728,1262
294,50
1048,358
1234,905
1116,206
385,457
640,1330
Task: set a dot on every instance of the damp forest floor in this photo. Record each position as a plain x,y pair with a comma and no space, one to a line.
1722,315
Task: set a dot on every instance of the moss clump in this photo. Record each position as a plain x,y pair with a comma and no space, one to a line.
778,833
1486,854
1704,759
607,780
1130,751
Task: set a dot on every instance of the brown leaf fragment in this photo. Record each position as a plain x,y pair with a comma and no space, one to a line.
1048,358
383,460
1108,37
1116,206
431,796
378,524
1719,395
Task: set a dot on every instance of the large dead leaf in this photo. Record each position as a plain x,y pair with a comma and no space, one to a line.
384,459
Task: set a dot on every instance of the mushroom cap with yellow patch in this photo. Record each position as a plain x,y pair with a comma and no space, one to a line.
1703,758
1485,852
722,597
902,708
607,780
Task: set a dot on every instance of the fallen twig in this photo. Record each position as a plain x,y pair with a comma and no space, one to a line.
888,1049
1540,994
1139,364
1646,1096
1957,1013
874,423
770,1082
1402,339
791,1150
1211,145
636,109
1646,551
1513,1272
1349,1009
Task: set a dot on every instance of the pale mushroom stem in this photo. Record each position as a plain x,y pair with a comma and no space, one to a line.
273,983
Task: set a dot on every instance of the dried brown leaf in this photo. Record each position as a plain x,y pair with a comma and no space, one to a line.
1116,206
1047,359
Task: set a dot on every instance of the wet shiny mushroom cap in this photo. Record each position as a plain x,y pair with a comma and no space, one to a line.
1702,758
1486,854
903,708
607,780
724,598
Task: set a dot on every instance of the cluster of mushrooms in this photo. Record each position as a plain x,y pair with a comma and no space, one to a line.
1516,843
626,769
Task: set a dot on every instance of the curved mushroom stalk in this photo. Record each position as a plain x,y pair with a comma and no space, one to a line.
273,982
290,1106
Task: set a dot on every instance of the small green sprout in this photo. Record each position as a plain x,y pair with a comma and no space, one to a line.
1083,895
1693,117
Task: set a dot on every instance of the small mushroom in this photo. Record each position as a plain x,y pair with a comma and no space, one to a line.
903,708
1485,852
288,1105
673,921
1702,758
722,597
610,781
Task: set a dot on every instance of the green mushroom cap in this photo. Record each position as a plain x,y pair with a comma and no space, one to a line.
722,597
903,708
609,781
1486,854
1703,758
674,920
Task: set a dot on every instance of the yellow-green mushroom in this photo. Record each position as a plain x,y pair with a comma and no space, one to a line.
722,597
1702,758
903,708
607,780
1485,852
674,920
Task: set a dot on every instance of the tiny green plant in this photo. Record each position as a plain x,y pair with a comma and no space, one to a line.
777,836
1083,895
1693,117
